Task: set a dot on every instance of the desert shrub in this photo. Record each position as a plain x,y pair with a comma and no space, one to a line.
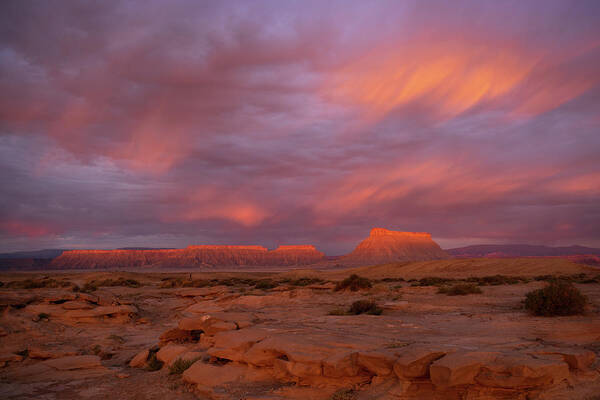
88,287
153,363
365,307
180,365
353,283
460,289
234,282
199,283
495,280
23,353
117,282
37,284
557,298
344,394
169,283
392,280
305,281
432,281
117,338
265,284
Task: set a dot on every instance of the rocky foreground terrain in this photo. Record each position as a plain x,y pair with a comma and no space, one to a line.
289,335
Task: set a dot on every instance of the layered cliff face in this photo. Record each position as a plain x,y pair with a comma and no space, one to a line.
189,257
385,246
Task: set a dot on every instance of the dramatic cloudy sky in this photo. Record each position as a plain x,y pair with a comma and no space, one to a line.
168,123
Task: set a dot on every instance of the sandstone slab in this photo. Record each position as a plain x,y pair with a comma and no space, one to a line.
459,368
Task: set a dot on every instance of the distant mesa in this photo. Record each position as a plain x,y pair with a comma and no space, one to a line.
386,246
192,256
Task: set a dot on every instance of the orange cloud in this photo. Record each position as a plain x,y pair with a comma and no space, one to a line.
22,228
448,78
208,203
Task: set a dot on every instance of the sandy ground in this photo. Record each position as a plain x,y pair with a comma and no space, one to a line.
491,321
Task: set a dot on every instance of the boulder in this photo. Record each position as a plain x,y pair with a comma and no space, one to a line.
140,359
216,322
294,348
10,357
44,354
522,372
341,365
414,362
458,368
577,359
208,375
380,362
169,353
77,305
176,335
231,345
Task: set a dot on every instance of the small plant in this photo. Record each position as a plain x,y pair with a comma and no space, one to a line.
181,365
117,338
557,298
265,284
153,363
353,283
344,394
433,281
42,316
89,287
365,307
460,289
305,281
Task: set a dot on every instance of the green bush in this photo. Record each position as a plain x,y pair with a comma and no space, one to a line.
181,365
557,298
460,289
353,283
365,307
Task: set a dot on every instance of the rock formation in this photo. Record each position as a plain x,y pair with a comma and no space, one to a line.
385,246
204,255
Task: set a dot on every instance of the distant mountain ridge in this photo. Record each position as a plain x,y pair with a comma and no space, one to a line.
520,250
38,254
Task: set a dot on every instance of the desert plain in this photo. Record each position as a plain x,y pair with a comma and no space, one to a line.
255,334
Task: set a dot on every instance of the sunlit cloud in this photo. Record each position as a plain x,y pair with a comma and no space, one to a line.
298,122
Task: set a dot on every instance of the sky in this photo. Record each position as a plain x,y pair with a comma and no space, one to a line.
170,123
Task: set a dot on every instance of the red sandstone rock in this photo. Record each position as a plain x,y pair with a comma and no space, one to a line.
385,246
140,359
190,256
379,362
522,371
459,368
74,362
415,362
170,352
